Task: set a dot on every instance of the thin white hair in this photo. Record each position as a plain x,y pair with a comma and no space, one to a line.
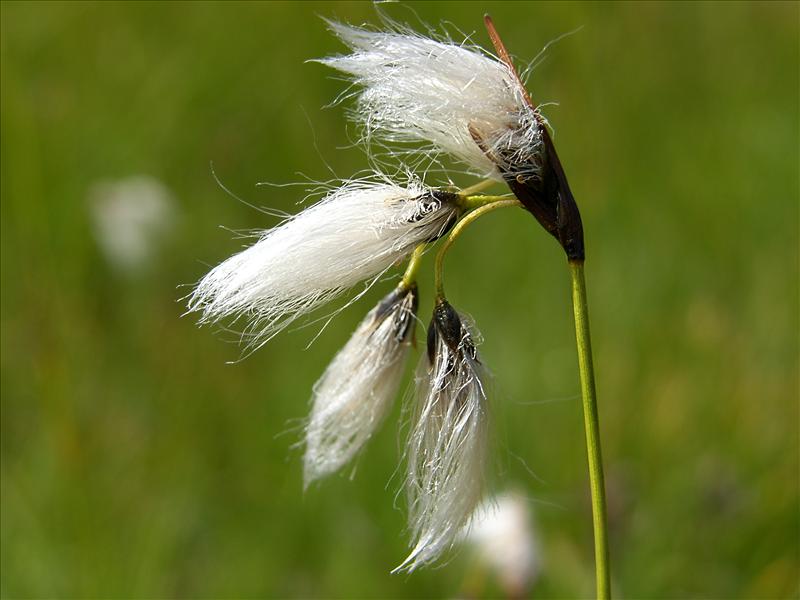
455,97
447,446
357,390
356,233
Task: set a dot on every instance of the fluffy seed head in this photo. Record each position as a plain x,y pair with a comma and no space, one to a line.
455,97
504,538
448,441
356,391
132,218
354,234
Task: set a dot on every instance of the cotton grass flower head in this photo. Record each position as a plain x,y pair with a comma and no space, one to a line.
354,234
503,537
357,390
461,101
447,445
455,97
132,218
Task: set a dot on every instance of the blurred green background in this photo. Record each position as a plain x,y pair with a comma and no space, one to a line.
137,463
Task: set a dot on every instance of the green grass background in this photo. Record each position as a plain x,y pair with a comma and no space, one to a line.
137,463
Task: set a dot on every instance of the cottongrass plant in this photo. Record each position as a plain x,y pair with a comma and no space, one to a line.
458,100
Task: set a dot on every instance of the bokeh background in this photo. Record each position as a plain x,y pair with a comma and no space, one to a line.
137,463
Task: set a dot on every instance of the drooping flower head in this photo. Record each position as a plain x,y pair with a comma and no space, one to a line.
354,234
447,445
355,393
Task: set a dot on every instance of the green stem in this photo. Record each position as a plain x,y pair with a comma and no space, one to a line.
410,276
486,207
478,187
592,426
470,202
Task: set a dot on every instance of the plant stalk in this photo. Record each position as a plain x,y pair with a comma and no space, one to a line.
592,426
410,275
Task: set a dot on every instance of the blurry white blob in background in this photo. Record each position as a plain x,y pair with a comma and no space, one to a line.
131,219
503,537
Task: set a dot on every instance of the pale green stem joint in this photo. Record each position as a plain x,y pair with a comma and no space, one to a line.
470,202
592,425
478,187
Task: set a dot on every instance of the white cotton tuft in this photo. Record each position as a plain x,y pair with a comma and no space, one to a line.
355,393
132,219
502,534
354,234
458,99
448,442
